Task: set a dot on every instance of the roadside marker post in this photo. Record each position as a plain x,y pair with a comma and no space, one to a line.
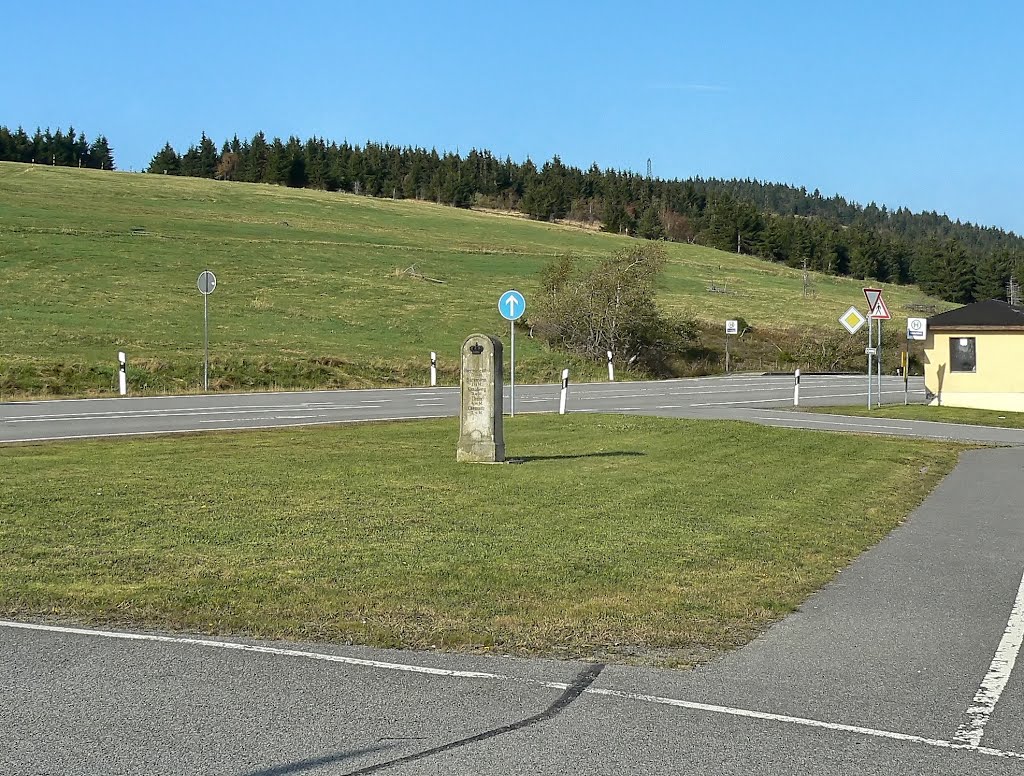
565,391
433,368
611,368
122,373
206,283
512,305
796,389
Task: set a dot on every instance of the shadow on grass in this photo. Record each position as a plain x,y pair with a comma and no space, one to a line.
569,457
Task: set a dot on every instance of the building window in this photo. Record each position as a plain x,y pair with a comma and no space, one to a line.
961,354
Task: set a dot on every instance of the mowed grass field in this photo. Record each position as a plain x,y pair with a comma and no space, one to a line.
627,538
96,262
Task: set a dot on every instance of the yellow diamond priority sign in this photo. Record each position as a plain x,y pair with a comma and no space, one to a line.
852,320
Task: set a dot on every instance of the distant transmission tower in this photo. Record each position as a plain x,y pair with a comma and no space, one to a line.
648,168
1013,291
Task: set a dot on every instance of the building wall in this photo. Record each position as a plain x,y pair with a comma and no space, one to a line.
997,382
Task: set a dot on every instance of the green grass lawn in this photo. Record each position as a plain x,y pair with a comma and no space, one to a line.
95,262
938,414
627,538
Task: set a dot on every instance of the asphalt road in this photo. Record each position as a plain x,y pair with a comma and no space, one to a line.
741,397
902,665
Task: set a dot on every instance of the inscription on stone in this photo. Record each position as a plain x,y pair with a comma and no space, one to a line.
481,438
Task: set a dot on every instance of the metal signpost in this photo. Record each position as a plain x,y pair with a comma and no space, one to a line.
512,305
917,329
731,327
852,321
877,311
206,283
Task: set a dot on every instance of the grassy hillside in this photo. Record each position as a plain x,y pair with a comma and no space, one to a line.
95,262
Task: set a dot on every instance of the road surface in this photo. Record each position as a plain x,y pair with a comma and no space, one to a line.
754,398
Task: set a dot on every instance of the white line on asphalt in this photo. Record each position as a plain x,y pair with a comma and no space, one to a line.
831,422
865,731
169,432
132,414
789,398
870,430
992,686
251,648
409,668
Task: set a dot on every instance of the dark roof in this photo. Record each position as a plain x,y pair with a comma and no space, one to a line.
991,312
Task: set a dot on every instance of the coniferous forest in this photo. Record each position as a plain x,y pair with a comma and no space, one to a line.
64,149
960,262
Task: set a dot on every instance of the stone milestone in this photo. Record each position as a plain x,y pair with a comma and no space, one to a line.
481,438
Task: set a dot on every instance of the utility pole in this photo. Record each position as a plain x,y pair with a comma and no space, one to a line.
1013,291
805,277
739,234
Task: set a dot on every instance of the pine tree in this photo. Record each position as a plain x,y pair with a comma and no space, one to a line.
101,155
165,162
650,226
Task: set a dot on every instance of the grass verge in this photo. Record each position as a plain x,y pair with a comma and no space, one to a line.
629,538
972,417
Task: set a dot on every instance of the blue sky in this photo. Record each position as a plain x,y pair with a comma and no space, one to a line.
916,104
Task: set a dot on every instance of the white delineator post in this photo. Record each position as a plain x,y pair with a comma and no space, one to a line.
611,368
796,389
122,373
433,368
565,391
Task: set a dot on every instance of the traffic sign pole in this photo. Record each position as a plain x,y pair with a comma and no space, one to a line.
906,375
879,365
206,336
512,305
206,283
512,371
871,348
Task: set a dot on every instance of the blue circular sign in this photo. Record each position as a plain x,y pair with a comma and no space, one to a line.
511,305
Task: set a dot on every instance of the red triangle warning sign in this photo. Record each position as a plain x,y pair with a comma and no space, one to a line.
880,311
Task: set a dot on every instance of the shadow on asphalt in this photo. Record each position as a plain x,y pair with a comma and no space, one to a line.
305,765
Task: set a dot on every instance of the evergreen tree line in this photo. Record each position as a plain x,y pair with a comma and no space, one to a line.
64,149
957,261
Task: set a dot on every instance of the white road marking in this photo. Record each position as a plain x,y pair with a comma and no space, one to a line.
804,721
832,422
807,397
992,686
446,672
251,648
168,432
131,415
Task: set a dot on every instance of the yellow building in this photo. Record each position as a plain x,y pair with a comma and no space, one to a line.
974,357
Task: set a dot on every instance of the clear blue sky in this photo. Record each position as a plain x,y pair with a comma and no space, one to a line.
901,103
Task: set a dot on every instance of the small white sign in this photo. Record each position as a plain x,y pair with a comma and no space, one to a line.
917,328
870,351
852,320
732,327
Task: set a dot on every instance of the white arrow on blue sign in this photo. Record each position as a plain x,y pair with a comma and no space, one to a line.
511,305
